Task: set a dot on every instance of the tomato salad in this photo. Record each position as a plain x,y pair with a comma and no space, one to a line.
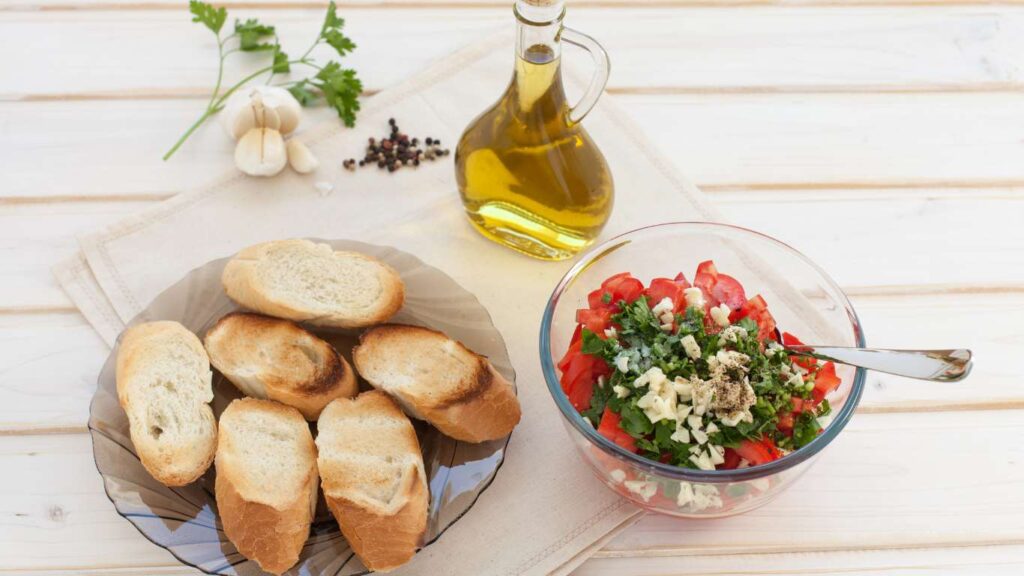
692,375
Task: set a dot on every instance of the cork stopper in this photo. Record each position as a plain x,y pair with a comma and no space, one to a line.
540,11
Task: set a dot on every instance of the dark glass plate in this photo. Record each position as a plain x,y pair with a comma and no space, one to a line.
184,520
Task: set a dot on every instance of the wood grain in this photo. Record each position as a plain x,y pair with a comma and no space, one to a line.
773,49
858,496
726,141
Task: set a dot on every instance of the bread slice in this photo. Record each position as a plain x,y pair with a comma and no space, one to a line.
266,481
307,282
439,380
164,385
277,359
373,478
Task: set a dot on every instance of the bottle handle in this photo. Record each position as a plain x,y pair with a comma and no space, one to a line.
600,78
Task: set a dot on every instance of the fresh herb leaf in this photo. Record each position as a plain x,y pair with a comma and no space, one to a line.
592,343
251,32
805,429
281,63
634,421
302,93
212,18
606,297
331,32
341,89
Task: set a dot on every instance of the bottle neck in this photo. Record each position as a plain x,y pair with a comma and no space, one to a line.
539,23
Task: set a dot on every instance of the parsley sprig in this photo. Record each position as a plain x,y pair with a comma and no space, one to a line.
339,86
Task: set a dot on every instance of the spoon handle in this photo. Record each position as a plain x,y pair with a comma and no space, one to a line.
936,365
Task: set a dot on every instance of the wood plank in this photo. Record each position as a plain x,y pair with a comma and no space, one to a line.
877,487
891,481
51,362
34,237
696,50
722,141
948,561
639,5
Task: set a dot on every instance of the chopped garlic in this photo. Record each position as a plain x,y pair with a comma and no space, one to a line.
694,297
611,333
690,346
711,428
695,422
622,363
703,461
666,305
717,455
683,388
681,435
620,391
706,496
720,314
618,475
700,436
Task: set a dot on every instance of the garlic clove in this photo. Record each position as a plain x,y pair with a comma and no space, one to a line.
240,113
261,152
300,157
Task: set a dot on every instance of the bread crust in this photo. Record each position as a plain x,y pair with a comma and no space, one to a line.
384,534
482,407
243,285
238,346
273,532
171,464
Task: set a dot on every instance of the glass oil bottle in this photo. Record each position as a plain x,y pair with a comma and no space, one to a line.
530,176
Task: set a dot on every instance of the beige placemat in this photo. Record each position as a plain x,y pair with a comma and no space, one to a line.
545,512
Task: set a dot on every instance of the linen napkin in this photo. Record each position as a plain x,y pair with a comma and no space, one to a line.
545,512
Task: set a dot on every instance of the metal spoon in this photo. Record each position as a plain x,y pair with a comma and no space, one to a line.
935,365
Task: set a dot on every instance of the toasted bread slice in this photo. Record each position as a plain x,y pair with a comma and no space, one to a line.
266,481
277,359
164,385
439,380
307,282
373,478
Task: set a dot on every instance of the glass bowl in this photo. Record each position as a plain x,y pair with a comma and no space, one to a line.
801,297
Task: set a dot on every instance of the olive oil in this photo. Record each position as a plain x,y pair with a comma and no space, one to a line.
530,177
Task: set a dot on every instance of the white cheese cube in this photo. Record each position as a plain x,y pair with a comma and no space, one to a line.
622,363
685,494
700,436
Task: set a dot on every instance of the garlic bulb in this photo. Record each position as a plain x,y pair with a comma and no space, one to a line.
261,152
257,106
301,157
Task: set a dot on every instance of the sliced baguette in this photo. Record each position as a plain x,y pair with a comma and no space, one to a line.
266,481
164,385
373,478
439,380
277,359
307,282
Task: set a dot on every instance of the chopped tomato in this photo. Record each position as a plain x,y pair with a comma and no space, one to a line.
825,381
805,362
611,429
799,404
682,281
574,349
757,310
727,290
579,377
577,335
662,288
786,421
758,452
732,460
623,287
705,279
596,300
597,321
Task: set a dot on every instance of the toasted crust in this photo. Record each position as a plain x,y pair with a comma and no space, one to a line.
277,359
373,478
257,278
164,385
266,514
439,380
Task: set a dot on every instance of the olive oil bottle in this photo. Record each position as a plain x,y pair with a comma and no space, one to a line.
529,174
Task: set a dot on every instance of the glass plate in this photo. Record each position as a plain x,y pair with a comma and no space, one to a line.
184,520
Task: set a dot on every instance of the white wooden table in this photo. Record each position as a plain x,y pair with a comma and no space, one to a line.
884,138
